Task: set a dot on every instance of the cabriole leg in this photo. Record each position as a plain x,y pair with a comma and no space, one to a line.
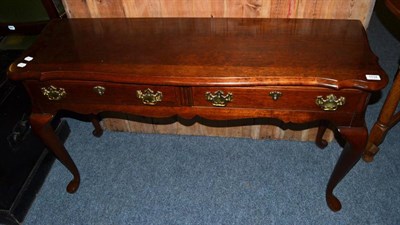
41,127
98,130
319,141
356,139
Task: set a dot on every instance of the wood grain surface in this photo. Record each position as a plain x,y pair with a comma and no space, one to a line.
323,9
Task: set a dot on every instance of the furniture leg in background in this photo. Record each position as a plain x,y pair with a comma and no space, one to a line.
387,119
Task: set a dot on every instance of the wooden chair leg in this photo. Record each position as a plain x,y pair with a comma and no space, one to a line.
387,118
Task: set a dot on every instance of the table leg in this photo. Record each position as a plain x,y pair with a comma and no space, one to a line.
98,130
319,141
356,139
41,126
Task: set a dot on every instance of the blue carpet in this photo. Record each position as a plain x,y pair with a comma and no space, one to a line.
166,179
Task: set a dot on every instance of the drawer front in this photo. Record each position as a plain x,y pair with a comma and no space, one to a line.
70,92
287,98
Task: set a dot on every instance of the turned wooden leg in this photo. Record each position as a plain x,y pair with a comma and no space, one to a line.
41,126
319,141
356,139
385,121
377,135
98,130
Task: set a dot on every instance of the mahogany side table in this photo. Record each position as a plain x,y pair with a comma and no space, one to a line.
297,71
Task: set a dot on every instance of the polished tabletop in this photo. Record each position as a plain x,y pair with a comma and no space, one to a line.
185,51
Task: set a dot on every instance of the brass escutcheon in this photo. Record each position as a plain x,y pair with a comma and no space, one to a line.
218,99
331,103
99,90
275,95
149,97
54,93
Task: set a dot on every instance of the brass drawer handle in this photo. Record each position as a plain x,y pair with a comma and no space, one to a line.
331,103
275,95
100,90
149,97
54,93
218,98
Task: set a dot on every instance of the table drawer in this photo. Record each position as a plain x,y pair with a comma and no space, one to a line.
103,93
290,98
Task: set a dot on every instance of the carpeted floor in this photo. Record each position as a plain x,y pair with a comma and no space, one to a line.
166,179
